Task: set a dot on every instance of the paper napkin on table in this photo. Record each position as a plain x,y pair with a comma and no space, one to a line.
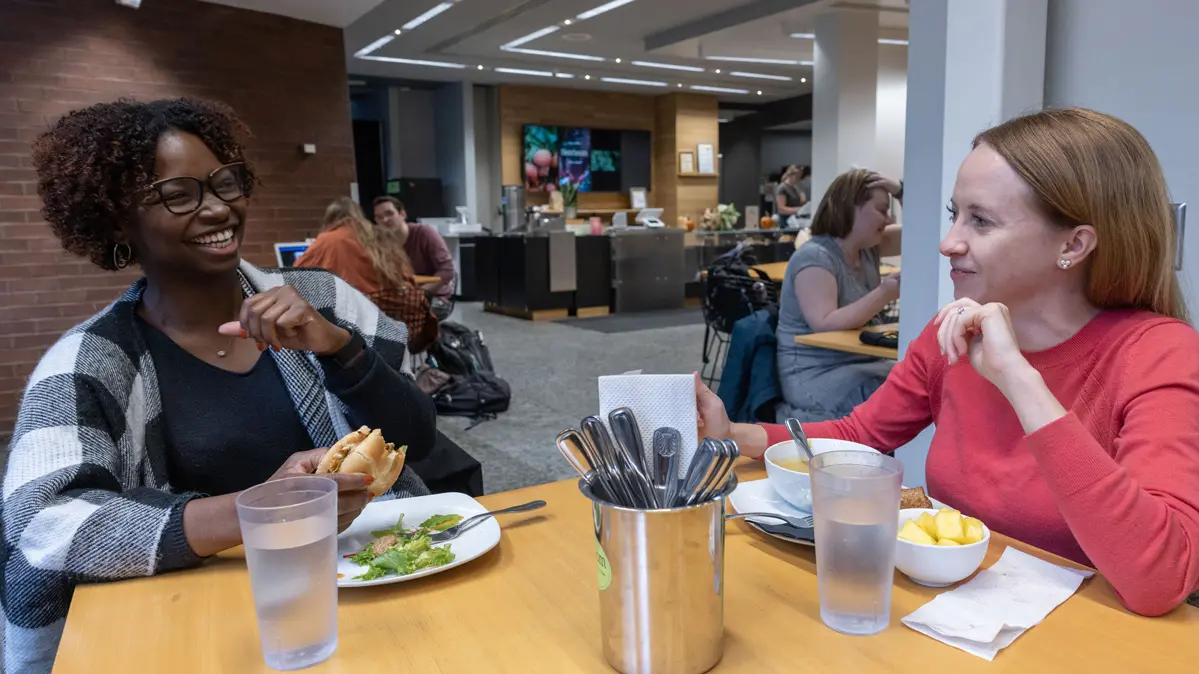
986,614
656,400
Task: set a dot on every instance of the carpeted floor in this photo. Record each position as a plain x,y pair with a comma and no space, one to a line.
552,368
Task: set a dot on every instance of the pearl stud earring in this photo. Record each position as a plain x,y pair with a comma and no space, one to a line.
1064,263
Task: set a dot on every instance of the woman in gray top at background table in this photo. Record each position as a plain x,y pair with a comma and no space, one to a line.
788,198
833,283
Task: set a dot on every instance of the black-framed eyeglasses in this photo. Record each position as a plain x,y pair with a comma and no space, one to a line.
186,194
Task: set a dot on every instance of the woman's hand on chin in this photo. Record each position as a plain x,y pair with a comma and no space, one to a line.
282,319
984,334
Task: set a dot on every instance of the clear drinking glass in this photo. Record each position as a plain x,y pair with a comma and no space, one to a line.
855,501
289,528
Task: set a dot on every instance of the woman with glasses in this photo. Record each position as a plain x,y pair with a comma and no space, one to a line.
207,376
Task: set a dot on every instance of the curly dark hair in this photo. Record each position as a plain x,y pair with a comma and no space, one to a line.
93,162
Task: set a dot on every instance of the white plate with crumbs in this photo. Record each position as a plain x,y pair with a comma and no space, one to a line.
383,515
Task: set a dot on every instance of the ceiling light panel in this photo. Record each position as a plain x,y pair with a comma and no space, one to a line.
522,71
553,54
743,59
718,90
533,36
667,66
606,7
434,11
413,62
374,46
643,83
759,76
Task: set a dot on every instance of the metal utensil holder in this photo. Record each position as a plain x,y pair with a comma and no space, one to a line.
661,585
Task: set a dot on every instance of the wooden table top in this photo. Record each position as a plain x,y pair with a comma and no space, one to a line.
422,279
531,605
850,341
777,271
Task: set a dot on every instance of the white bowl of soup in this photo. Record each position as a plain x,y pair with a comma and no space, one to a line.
787,468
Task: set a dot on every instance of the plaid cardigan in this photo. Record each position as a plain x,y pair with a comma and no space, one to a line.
86,496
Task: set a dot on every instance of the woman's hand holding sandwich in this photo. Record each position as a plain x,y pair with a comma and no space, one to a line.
352,488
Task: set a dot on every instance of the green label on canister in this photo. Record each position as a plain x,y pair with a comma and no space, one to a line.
605,569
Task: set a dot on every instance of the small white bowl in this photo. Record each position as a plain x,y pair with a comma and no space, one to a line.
937,565
796,487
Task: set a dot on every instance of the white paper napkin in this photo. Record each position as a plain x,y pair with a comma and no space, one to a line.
656,400
987,614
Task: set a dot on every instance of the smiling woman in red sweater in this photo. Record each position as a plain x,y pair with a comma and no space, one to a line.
1064,379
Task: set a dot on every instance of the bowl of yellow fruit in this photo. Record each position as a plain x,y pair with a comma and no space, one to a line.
939,547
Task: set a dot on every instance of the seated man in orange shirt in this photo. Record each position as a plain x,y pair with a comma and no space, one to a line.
423,244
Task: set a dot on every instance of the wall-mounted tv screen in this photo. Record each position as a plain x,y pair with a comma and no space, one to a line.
599,160
541,158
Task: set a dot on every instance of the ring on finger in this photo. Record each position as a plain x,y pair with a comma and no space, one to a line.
960,311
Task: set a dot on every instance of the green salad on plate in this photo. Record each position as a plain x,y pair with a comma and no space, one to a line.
402,552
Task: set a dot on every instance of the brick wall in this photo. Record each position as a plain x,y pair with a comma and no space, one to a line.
285,78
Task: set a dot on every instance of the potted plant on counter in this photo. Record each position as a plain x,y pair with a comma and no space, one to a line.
728,215
570,198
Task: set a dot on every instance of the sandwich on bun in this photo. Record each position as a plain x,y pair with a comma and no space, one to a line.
363,451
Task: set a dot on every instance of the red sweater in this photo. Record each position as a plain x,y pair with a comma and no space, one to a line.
1113,484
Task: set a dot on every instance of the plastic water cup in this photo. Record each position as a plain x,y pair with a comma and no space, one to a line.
855,501
289,528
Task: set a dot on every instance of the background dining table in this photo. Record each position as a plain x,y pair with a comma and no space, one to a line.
532,605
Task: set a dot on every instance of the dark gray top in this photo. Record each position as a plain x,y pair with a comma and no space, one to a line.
791,192
824,252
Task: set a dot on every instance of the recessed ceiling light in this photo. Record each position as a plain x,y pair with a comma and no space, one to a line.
760,76
413,62
644,83
587,77
680,85
804,36
566,22
759,92
668,66
884,40
481,68
398,31
803,79
532,36
522,71
553,54
743,59
719,90
618,60
717,71
434,11
374,46
606,7
565,76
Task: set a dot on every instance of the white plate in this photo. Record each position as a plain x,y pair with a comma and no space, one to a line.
383,515
759,497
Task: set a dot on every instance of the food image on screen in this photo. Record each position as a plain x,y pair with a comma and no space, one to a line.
575,161
541,158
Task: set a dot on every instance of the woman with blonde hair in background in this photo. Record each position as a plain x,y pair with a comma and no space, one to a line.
833,282
1063,381
372,259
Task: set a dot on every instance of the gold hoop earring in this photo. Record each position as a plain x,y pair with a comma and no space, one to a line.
120,259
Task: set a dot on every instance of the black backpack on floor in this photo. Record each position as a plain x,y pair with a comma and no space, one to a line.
460,350
474,390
